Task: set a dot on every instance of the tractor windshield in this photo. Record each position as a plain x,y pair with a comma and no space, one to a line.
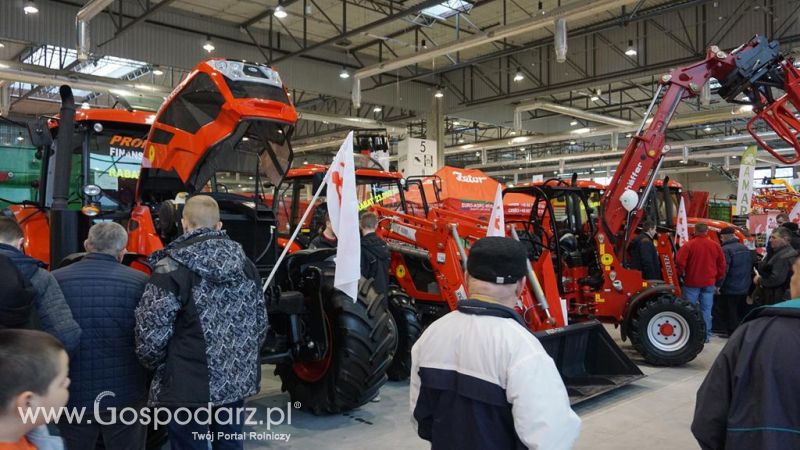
112,160
295,196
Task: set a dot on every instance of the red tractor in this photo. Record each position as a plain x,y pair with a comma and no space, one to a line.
225,132
590,245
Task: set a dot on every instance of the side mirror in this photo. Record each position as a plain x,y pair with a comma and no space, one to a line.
39,134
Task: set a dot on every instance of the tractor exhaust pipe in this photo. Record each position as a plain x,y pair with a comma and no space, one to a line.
63,223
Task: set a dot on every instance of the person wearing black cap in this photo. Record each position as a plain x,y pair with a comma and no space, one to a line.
479,378
732,289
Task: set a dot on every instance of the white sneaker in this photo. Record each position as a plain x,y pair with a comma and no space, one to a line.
377,398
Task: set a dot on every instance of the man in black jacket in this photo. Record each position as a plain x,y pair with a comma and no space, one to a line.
748,399
200,325
50,311
733,288
375,255
774,271
103,294
644,256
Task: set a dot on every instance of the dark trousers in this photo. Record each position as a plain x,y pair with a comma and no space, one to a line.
117,436
732,310
196,435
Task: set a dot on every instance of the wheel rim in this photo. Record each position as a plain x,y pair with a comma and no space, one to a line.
313,371
668,331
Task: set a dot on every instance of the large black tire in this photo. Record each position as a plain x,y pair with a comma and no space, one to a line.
409,329
668,331
360,352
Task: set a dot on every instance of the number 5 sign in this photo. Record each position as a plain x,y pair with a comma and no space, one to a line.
417,157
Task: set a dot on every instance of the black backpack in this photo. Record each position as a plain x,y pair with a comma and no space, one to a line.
17,297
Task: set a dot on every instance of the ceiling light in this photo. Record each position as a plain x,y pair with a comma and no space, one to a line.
573,123
707,129
595,97
305,161
519,168
439,93
2,45
746,108
519,139
30,7
469,146
522,149
629,135
478,153
456,123
460,140
377,109
157,71
631,51
209,46
20,138
512,132
344,74
279,12
582,130
519,76
245,139
573,142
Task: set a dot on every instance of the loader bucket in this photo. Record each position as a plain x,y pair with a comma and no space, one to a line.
588,359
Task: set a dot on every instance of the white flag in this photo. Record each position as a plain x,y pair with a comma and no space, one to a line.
682,230
343,211
497,221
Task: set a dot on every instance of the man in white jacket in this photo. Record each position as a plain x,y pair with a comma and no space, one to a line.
479,378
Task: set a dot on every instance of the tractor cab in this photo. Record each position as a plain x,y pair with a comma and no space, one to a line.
105,159
224,132
374,187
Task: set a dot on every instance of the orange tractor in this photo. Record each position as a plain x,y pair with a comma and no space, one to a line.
429,247
225,132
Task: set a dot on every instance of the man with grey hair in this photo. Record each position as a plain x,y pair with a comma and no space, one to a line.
775,270
103,295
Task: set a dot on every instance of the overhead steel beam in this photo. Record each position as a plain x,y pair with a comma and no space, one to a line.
567,111
574,11
147,13
268,12
364,28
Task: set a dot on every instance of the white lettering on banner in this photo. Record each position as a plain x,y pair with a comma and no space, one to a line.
468,178
634,176
404,231
117,152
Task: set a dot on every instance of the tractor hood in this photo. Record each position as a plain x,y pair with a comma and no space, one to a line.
226,115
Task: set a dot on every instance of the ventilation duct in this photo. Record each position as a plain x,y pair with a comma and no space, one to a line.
561,40
82,19
567,111
572,11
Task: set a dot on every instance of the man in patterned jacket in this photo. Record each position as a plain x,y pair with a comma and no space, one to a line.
200,326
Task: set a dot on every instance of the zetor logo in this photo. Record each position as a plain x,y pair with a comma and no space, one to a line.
468,178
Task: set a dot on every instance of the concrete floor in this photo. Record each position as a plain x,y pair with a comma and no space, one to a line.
653,413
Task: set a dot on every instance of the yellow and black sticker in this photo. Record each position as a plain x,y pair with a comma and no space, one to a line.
151,153
400,271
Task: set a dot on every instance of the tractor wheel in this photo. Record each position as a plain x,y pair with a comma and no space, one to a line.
668,331
354,367
408,331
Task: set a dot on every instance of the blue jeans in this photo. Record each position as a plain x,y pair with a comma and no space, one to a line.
223,434
706,297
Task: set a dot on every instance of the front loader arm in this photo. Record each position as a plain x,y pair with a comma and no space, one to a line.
753,70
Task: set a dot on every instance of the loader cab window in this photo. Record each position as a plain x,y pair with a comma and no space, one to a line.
575,209
197,105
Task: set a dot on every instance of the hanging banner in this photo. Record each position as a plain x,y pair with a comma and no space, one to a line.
744,195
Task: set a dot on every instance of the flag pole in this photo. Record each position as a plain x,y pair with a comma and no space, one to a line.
296,231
